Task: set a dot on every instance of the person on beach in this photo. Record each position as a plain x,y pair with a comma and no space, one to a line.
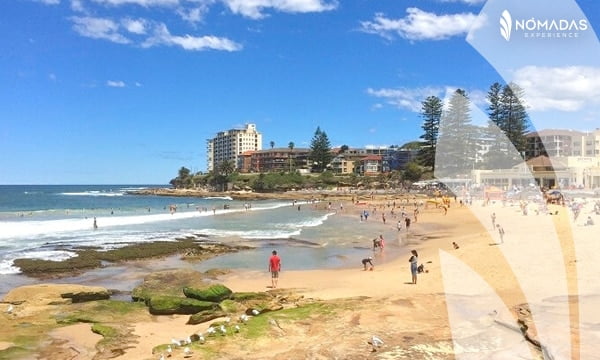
493,220
501,233
414,259
407,222
383,217
368,261
416,213
274,268
375,244
399,225
381,242
95,223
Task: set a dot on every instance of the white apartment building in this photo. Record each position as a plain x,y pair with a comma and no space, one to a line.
230,144
563,143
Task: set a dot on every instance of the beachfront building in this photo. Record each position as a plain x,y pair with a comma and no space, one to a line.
229,145
558,143
279,159
372,165
548,172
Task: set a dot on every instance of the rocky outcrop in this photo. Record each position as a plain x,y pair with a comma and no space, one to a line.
53,294
204,316
169,305
167,283
214,293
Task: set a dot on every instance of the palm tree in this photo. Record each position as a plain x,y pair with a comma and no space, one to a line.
291,147
272,143
226,167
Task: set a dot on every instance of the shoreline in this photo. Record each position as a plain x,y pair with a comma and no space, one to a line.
422,307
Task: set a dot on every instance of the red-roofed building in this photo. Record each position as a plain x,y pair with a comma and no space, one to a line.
371,165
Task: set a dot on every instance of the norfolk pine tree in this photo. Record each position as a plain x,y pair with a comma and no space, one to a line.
320,150
431,112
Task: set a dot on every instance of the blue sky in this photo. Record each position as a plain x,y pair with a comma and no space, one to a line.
128,91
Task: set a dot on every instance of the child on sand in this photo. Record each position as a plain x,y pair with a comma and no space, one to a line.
368,261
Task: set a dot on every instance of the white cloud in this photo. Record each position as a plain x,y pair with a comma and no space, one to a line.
77,5
404,98
115,83
134,26
137,84
144,3
162,36
98,28
50,2
422,25
254,8
196,13
570,88
52,76
412,98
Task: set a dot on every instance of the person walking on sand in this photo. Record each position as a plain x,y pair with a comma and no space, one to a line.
407,222
493,220
381,242
274,268
501,233
414,260
369,261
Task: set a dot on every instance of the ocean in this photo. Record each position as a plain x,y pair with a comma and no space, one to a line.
49,221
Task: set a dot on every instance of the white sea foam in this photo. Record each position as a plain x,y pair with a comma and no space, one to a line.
6,263
251,234
92,193
218,198
40,229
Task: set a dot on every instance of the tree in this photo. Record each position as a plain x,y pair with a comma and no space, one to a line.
431,112
272,143
226,167
456,148
224,171
412,172
344,148
507,126
183,179
515,116
320,150
291,147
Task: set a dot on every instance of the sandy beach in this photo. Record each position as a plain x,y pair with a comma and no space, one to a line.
415,321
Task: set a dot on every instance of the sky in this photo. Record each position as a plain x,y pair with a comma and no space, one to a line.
128,91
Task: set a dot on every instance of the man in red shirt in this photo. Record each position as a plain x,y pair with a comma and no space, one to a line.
274,268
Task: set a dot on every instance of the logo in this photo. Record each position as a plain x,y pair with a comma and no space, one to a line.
506,25
553,28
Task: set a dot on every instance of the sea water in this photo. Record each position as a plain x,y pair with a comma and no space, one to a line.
51,221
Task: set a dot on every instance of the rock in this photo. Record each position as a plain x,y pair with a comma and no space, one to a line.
214,293
264,309
168,305
166,283
247,296
229,306
204,316
54,294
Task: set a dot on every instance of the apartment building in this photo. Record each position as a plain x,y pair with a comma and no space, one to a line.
276,159
229,145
